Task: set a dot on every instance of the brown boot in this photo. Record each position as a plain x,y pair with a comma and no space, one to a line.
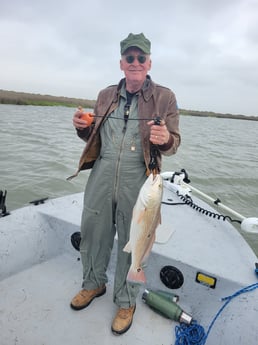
85,297
123,320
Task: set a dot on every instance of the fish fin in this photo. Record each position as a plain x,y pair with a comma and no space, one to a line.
137,276
127,248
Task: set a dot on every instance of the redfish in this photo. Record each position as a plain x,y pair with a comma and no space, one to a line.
145,219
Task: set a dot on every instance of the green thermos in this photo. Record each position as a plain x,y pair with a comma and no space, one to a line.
160,302
168,295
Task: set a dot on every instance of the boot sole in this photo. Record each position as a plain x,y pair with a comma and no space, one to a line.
86,305
122,331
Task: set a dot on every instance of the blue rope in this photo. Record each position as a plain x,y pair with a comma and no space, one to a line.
194,333
190,334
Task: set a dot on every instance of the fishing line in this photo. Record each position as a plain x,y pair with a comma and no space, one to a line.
130,119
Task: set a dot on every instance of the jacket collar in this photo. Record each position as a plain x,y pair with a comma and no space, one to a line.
146,91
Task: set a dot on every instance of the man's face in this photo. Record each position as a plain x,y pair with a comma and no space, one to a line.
135,71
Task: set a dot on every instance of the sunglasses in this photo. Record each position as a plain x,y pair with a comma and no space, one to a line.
131,58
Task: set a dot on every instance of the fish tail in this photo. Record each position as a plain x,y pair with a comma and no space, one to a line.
127,248
137,276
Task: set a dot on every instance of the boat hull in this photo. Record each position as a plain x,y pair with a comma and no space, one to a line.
41,272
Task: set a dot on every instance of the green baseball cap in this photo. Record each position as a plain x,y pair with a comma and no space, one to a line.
139,41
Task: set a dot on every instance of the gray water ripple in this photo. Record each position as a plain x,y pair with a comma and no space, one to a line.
39,150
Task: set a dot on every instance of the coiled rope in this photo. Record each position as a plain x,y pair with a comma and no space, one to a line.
190,334
194,334
189,201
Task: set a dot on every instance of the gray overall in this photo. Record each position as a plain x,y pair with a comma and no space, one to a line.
110,194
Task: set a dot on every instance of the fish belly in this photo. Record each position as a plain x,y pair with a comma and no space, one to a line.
142,237
145,219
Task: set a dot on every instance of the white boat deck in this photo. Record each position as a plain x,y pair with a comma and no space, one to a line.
40,273
34,309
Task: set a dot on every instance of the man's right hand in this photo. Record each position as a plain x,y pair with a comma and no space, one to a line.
82,119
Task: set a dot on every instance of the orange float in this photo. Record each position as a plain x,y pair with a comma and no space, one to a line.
87,117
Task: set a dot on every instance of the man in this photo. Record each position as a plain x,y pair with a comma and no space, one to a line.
121,143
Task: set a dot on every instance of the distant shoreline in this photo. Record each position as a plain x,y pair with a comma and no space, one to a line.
219,115
23,98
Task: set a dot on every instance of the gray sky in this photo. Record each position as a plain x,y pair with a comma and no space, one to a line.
205,51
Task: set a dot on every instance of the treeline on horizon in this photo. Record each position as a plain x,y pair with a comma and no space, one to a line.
23,98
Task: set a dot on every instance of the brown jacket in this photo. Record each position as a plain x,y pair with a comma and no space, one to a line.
154,100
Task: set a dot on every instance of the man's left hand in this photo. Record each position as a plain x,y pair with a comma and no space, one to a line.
159,134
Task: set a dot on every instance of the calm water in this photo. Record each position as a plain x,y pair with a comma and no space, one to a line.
39,150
